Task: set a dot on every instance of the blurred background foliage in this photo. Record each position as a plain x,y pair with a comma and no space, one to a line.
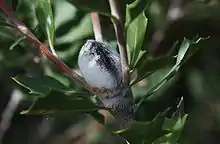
174,52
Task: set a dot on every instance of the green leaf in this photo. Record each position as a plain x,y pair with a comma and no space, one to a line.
143,56
44,15
144,131
146,66
81,31
40,85
162,82
135,37
187,49
178,114
151,65
175,124
134,9
58,103
182,51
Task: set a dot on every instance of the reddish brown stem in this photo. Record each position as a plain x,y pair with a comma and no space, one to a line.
44,50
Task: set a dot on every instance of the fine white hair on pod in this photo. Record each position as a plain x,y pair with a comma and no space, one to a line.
101,67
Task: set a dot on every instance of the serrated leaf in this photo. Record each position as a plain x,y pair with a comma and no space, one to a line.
135,37
175,124
44,15
178,114
144,131
170,74
187,49
134,9
182,51
150,66
146,66
185,52
40,85
58,103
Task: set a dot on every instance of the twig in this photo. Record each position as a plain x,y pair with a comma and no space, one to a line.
96,26
26,32
119,31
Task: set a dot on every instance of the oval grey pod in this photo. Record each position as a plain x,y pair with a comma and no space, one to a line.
101,67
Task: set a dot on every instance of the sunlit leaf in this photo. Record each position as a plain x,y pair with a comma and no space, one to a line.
44,15
134,9
183,49
135,37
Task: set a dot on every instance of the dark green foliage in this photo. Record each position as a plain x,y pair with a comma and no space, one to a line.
175,85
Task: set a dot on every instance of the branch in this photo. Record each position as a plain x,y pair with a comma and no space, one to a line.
96,26
119,31
44,50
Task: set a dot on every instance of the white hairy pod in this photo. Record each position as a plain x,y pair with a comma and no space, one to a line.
99,65
101,68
